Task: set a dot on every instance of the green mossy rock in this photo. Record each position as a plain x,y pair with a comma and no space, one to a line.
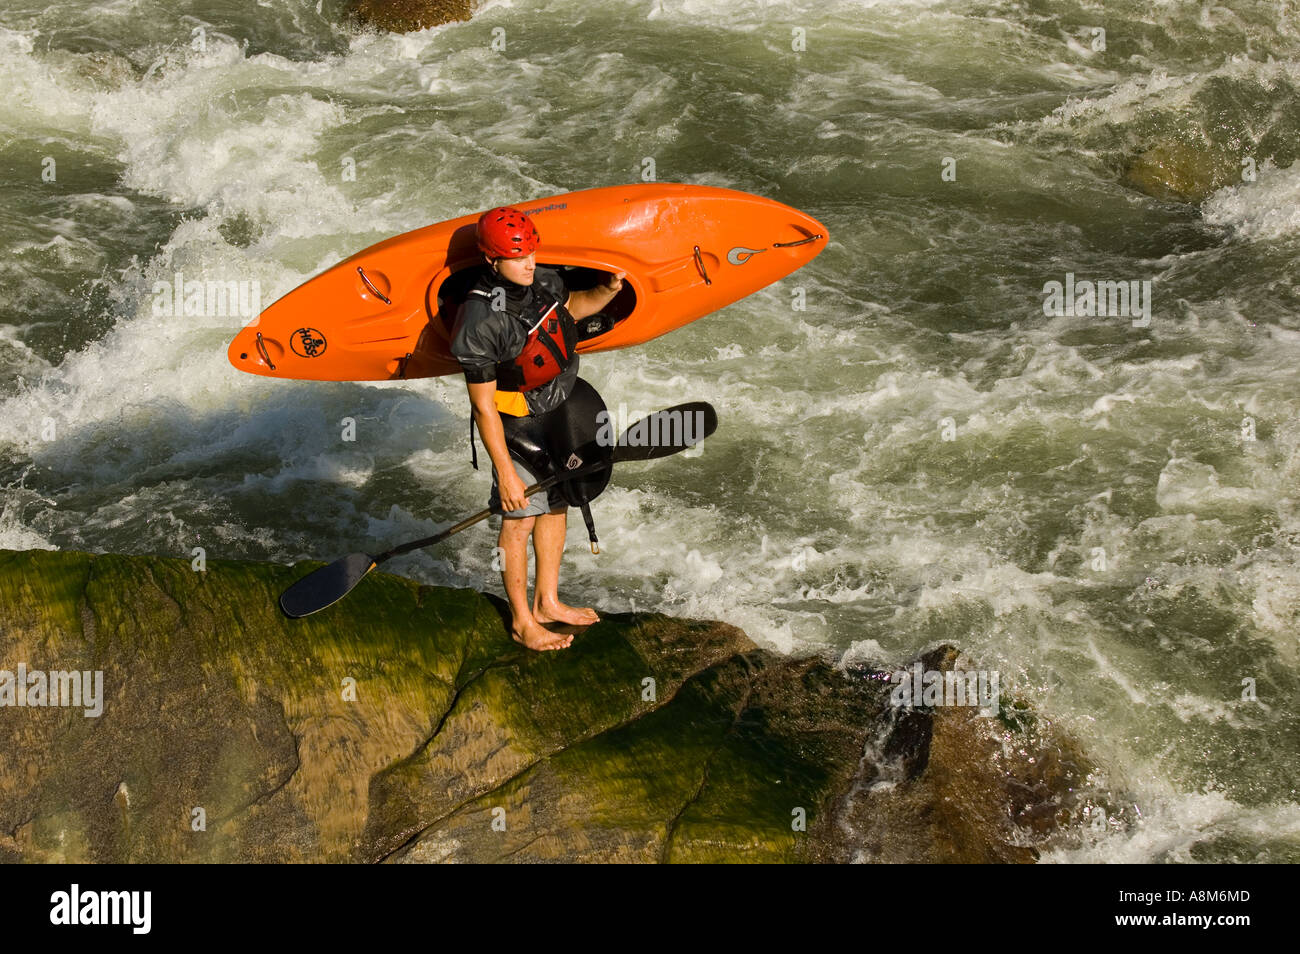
403,724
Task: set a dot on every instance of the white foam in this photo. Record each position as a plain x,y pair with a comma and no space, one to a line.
1187,485
14,535
1172,824
1263,210
863,652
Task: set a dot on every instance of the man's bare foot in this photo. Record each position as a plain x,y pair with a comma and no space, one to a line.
536,636
557,612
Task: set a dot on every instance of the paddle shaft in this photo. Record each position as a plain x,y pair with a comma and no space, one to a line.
476,518
623,452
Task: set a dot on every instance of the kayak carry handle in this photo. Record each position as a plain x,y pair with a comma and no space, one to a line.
699,263
371,285
811,238
261,349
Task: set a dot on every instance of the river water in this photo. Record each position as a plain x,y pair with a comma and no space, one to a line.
1102,509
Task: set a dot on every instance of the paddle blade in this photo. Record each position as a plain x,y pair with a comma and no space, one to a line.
326,586
666,432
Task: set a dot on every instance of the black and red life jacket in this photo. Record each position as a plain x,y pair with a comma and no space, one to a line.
552,335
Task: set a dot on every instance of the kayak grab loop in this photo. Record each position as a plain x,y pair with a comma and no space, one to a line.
371,285
261,349
811,238
699,263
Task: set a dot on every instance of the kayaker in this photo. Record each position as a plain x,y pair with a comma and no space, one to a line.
516,341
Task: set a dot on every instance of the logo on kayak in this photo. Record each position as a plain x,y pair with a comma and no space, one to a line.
308,343
740,255
573,463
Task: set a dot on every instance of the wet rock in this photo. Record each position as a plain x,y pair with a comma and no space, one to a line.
403,724
95,70
406,16
1179,172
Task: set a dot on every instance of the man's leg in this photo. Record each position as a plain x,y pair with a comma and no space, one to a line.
524,627
548,549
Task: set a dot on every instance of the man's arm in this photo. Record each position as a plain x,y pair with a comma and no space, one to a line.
475,344
482,397
583,304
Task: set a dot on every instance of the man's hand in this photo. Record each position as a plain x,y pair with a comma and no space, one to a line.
511,490
582,304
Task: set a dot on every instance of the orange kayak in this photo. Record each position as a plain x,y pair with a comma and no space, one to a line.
387,312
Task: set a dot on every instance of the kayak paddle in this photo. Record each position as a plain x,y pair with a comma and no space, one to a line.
643,440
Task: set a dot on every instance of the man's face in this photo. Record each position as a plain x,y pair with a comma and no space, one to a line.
518,270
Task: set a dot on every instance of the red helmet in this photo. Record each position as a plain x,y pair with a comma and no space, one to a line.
506,232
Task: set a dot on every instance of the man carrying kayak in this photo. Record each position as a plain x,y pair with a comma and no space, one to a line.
516,341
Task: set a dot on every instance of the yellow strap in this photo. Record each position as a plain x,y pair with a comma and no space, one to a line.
512,402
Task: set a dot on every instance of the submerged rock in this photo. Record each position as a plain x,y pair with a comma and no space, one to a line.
406,16
404,724
1175,171
102,70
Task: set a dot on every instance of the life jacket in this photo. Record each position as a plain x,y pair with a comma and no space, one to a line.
552,340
